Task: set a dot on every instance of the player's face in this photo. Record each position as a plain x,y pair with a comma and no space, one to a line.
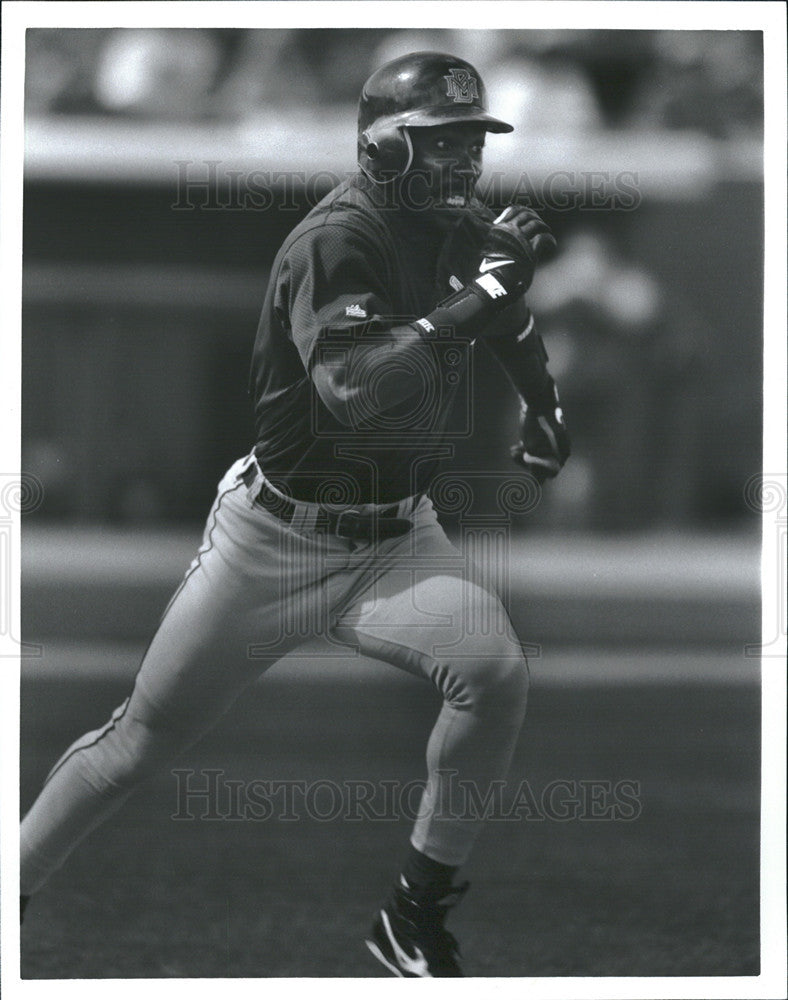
448,161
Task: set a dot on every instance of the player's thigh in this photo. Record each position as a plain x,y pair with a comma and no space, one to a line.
430,613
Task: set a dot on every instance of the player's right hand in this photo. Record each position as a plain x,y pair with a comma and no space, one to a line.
544,445
517,241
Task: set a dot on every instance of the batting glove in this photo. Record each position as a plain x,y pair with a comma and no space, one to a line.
543,447
516,242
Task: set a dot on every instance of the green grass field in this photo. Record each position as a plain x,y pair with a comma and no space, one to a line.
671,892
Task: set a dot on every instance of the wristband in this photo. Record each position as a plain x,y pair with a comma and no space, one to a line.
472,306
464,312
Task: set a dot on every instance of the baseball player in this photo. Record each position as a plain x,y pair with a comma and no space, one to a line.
327,526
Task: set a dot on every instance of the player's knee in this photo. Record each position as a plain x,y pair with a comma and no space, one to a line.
503,681
493,677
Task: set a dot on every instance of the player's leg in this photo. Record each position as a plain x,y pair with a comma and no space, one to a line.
429,614
223,627
431,623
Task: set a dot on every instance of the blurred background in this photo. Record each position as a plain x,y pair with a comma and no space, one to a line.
153,211
163,170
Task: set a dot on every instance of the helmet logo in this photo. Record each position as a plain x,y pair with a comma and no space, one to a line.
461,85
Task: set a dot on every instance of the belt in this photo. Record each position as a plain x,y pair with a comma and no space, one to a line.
349,523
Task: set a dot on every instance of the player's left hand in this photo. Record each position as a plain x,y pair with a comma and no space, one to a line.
544,446
520,237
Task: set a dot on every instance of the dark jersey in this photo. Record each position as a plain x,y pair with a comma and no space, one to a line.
357,266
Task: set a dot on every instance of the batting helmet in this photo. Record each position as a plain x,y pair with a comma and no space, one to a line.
416,91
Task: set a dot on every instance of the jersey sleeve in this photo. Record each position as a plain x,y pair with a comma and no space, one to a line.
332,280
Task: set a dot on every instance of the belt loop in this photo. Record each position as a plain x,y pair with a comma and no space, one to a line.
252,478
407,507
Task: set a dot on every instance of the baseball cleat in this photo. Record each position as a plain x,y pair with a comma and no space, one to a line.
408,935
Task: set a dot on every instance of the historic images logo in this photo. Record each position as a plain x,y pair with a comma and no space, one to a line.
461,85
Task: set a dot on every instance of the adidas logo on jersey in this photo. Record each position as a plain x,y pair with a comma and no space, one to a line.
357,311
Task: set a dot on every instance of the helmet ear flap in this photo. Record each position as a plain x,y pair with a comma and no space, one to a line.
385,151
367,146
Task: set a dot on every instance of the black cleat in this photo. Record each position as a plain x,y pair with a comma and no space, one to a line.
408,935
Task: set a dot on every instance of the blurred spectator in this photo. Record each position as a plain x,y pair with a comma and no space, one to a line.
343,60
613,61
542,97
157,73
706,80
300,68
545,80
60,66
269,69
628,362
